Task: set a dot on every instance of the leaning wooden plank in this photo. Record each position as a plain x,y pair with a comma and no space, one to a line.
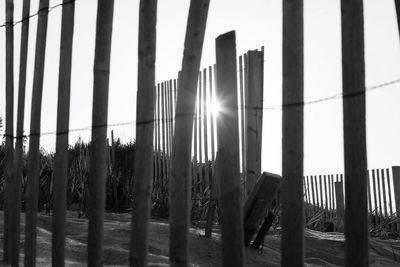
181,145
144,132
355,152
264,192
61,156
18,153
228,147
292,134
32,186
98,156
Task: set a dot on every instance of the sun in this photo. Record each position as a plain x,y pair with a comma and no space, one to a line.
214,107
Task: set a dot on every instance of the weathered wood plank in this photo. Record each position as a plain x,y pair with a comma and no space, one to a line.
32,186
144,132
61,156
355,152
228,147
181,147
98,160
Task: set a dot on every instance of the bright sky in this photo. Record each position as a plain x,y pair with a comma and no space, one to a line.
257,23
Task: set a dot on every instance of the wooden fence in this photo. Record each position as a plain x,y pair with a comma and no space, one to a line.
204,142
237,129
324,199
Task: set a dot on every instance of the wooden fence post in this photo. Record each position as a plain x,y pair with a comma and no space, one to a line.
384,192
18,153
396,189
355,154
159,158
144,132
321,197
210,75
369,194
389,192
98,167
205,119
181,151
375,198
228,147
339,204
293,248
242,117
9,183
397,4
254,93
314,200
32,186
379,195
61,156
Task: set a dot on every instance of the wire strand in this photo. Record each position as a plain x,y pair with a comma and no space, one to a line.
165,119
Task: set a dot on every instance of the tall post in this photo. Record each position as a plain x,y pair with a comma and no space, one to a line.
144,132
253,130
61,156
375,197
205,118
340,204
242,115
380,213
384,193
396,188
9,185
18,153
397,4
32,186
98,159
292,135
211,93
201,134
181,147
389,192
228,149
355,152
159,164
369,194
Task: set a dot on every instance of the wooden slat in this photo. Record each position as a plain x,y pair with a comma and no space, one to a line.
144,133
18,153
355,152
369,192
254,92
384,193
375,196
205,118
9,182
32,185
212,99
292,134
228,147
181,147
379,193
98,167
242,116
389,192
61,157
